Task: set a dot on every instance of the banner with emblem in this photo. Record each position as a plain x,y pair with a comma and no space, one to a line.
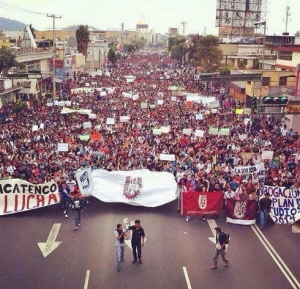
241,212
138,187
201,203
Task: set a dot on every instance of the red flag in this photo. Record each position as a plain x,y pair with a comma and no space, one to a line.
241,212
202,203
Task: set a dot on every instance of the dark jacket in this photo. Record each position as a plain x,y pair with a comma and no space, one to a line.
265,204
222,239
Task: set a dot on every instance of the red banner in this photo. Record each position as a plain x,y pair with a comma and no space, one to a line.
241,212
202,203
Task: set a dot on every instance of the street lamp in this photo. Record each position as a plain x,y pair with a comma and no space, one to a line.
257,25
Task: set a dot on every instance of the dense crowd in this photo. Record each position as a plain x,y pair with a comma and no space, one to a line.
202,163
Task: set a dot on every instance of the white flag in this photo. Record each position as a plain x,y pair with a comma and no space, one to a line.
138,187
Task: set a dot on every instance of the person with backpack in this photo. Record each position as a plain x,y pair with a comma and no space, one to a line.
221,240
120,235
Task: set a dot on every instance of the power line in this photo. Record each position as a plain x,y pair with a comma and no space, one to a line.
7,6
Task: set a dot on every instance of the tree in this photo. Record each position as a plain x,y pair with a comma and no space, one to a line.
112,56
207,53
225,69
7,59
83,38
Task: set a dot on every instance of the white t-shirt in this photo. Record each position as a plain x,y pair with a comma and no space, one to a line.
118,243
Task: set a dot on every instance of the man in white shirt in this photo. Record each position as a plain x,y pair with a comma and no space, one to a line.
120,235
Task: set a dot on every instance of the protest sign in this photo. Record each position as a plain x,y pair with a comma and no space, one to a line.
214,104
160,93
173,98
165,129
247,110
87,84
138,187
199,133
267,155
92,116
35,128
157,131
160,101
127,95
248,171
135,97
124,118
224,131
68,103
201,203
61,103
84,137
63,147
144,105
199,116
207,112
55,102
285,204
87,124
241,212
110,120
85,181
167,157
187,131
214,111
42,126
239,111
213,130
49,104
18,196
103,93
247,156
242,137
152,106
95,136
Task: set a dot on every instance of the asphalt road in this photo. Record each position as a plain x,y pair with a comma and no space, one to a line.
171,245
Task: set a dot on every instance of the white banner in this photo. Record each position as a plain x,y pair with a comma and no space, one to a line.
138,188
247,171
285,208
63,147
19,196
85,181
167,157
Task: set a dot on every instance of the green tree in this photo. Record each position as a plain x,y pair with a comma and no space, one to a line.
83,38
112,56
225,69
7,60
207,53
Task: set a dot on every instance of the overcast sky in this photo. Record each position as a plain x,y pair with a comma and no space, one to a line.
159,14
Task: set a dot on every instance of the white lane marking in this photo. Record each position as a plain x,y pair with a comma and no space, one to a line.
187,279
87,278
50,245
296,229
212,224
282,266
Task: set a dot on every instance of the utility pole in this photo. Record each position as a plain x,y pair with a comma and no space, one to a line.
53,16
287,15
183,27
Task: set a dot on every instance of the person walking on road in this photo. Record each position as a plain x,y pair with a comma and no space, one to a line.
137,241
220,248
65,198
77,204
264,209
120,235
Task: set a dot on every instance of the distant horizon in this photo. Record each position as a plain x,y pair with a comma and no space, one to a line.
160,15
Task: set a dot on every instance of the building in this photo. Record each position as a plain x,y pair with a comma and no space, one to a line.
48,34
142,28
96,54
173,32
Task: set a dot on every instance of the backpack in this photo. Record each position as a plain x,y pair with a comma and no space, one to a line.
227,240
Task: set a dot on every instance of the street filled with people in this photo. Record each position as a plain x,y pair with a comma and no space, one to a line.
130,103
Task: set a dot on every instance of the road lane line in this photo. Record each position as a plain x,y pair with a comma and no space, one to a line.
278,257
274,258
86,281
187,279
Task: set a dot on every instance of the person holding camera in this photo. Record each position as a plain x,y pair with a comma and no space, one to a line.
120,235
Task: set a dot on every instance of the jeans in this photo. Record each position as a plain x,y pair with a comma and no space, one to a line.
216,256
65,205
263,217
136,247
120,254
77,214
